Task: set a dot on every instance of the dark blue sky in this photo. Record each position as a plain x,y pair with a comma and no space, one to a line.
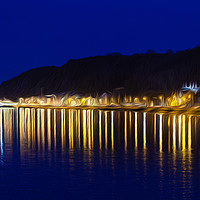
38,33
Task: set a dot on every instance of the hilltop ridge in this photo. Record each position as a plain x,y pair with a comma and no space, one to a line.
137,74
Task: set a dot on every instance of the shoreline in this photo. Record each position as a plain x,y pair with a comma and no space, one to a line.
175,110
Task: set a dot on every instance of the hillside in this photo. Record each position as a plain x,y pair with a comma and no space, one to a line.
137,74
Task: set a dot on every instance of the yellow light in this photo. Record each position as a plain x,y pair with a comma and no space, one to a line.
160,136
54,118
106,130
112,129
183,136
144,130
174,133
169,133
100,129
136,130
155,127
89,128
84,128
189,133
125,130
49,128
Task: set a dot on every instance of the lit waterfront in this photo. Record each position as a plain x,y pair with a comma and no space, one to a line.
186,101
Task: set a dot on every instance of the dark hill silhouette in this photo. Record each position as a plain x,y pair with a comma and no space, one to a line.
137,74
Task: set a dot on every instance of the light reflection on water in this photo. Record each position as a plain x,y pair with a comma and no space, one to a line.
154,150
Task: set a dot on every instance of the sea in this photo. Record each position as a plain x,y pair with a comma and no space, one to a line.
98,154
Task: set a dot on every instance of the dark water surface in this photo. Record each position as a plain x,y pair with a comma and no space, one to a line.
93,154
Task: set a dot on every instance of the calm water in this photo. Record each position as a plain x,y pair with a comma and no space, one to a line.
93,154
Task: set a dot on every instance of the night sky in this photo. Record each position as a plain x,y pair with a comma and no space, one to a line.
38,33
